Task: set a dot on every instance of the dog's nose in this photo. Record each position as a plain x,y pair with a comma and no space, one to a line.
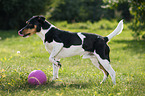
20,32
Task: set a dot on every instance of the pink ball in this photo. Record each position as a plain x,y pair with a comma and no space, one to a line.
37,77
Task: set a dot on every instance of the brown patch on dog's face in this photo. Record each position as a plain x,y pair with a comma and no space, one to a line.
29,30
34,25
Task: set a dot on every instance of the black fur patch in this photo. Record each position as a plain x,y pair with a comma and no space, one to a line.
67,38
96,43
91,43
106,39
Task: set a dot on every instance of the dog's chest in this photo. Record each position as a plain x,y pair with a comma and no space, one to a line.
65,52
49,46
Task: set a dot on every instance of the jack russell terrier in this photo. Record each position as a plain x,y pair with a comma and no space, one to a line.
61,44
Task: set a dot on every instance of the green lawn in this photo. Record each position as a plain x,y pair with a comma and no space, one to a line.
77,77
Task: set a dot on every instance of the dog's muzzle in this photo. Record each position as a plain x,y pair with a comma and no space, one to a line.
23,35
20,33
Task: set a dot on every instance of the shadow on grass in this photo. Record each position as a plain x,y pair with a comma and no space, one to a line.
133,45
54,85
8,34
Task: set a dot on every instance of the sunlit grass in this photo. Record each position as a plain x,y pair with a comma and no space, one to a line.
77,77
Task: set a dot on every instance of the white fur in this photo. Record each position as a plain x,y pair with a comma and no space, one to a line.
117,31
55,72
107,66
95,62
81,36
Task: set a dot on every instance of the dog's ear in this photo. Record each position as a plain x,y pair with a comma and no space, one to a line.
41,19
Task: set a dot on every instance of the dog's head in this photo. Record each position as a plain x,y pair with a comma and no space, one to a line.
33,25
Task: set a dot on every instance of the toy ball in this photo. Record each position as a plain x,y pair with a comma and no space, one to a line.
37,77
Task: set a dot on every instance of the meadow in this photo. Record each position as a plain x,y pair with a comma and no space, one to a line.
77,77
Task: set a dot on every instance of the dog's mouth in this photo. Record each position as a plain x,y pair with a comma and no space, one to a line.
27,35
23,35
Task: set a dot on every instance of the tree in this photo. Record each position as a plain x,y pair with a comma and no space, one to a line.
65,10
137,10
14,13
79,10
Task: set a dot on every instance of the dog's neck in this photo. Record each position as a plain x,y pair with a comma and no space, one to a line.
42,33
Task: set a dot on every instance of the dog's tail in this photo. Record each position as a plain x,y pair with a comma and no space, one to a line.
117,31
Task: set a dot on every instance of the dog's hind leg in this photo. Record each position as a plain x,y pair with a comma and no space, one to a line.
107,67
96,63
105,73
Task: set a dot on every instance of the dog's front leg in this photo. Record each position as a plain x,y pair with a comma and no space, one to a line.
53,58
55,72
55,52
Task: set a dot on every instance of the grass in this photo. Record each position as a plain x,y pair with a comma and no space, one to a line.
77,77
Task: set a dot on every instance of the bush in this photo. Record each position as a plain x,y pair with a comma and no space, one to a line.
138,26
14,13
79,10
137,9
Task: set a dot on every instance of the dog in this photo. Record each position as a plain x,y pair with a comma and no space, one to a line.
61,44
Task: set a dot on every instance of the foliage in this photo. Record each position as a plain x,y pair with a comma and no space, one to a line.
78,77
14,13
121,9
79,10
137,9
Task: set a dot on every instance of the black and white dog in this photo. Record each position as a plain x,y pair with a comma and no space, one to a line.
61,44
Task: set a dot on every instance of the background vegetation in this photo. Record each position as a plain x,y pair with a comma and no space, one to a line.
134,7
14,13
